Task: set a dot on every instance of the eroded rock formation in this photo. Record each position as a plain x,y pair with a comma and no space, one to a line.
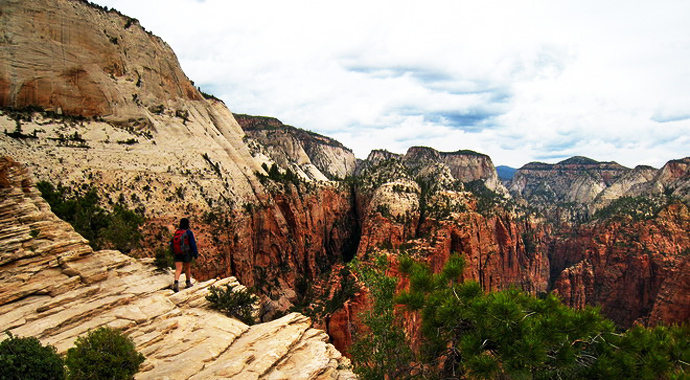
82,60
301,150
634,269
625,253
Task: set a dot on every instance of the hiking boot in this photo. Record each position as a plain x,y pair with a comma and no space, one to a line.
188,284
176,287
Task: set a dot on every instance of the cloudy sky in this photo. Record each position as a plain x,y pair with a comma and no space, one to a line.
520,81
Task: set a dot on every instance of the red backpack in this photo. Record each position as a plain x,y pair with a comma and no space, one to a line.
180,242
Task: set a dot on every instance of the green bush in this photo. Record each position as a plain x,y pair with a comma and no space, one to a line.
487,199
234,304
275,175
27,358
380,348
645,353
103,354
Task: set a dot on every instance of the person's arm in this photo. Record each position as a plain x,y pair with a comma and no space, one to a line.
192,243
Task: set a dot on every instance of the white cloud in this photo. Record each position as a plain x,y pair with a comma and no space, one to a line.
520,81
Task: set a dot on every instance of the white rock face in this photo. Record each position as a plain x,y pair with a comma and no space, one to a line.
400,198
625,185
178,158
150,136
55,288
310,154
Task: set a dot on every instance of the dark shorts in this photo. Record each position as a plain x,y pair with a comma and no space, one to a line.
182,258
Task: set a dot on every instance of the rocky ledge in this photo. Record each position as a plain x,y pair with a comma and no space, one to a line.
55,288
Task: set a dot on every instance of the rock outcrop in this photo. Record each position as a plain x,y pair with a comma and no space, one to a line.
55,288
672,179
619,239
414,205
464,165
311,155
626,185
89,98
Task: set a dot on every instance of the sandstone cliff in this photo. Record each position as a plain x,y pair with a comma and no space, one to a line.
68,57
463,165
672,179
618,235
626,184
55,288
571,191
637,234
135,128
417,203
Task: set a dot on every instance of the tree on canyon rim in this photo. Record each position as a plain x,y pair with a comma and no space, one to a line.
467,333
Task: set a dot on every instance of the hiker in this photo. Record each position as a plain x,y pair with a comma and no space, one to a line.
184,249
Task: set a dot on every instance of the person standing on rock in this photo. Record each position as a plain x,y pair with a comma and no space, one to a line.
184,249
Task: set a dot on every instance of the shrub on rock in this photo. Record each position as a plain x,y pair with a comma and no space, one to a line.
237,304
103,354
27,358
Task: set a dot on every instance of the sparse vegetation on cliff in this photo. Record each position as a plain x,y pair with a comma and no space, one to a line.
19,134
487,200
117,229
265,123
380,349
275,174
638,208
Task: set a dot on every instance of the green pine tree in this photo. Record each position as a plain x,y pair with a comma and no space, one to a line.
380,349
511,335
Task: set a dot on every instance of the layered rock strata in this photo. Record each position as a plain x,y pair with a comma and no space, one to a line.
156,143
55,288
572,191
464,166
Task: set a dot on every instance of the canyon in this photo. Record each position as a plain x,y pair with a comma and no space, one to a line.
95,100
56,288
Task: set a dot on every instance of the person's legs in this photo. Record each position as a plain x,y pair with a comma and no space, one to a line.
178,271
188,274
